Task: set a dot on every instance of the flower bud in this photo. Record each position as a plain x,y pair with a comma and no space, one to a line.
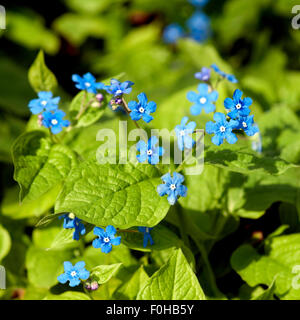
94,285
96,104
99,97
118,101
40,119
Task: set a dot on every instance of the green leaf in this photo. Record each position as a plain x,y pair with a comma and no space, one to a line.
44,266
65,238
39,165
91,114
12,208
174,281
267,294
40,77
68,295
282,255
130,289
244,160
5,242
121,195
104,273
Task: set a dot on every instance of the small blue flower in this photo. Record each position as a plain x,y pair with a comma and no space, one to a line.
46,102
142,109
88,83
199,26
55,121
198,3
247,124
204,75
172,187
118,88
183,132
222,129
72,222
148,151
147,235
106,239
172,33
229,77
203,99
238,107
73,274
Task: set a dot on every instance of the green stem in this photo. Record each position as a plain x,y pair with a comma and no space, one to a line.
211,276
182,225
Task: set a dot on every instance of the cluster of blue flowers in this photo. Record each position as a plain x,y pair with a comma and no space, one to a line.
46,106
237,118
72,222
198,26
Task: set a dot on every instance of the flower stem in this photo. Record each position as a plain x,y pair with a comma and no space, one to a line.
125,106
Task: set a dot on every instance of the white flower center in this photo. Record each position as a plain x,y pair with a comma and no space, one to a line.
44,102
172,186
119,91
244,124
238,106
54,122
203,100
87,84
71,215
149,152
182,132
141,110
222,129
106,240
73,273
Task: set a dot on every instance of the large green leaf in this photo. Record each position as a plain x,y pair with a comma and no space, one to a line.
40,165
174,281
40,77
121,195
282,255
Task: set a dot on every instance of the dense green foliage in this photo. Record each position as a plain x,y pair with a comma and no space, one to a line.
235,235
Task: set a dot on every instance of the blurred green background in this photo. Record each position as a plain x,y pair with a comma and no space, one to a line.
253,39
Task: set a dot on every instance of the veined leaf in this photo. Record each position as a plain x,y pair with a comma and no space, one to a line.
104,273
121,195
173,281
40,165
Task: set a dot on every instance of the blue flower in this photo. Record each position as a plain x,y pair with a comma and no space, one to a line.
183,132
222,129
229,77
73,274
203,99
106,239
238,107
247,124
147,235
46,102
148,151
198,3
172,33
204,75
72,222
87,82
172,187
55,121
118,88
142,109
199,26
